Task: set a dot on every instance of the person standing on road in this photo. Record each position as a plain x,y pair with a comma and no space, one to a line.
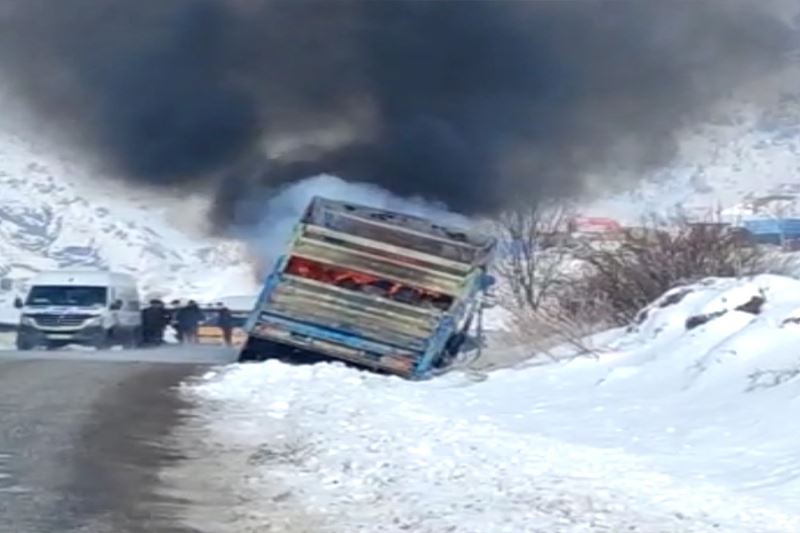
226,323
148,320
155,319
189,319
174,307
163,318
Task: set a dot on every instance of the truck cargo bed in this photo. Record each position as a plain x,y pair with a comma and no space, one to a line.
368,287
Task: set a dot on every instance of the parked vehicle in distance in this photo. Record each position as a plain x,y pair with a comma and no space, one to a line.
90,308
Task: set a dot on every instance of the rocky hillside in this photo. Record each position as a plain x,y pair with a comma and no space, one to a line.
744,161
53,215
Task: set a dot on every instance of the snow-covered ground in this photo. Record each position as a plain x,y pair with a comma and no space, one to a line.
671,429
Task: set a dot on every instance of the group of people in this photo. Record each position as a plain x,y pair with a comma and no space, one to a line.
184,319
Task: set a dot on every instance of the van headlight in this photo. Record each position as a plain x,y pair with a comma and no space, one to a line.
26,320
94,321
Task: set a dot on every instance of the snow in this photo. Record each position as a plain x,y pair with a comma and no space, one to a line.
670,429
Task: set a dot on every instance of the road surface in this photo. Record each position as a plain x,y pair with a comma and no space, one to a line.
83,436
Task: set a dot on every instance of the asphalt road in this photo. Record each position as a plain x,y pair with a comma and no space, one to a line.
83,436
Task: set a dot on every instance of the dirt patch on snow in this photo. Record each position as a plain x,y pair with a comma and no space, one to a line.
753,306
673,298
698,320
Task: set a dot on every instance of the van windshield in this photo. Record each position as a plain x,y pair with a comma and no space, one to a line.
44,295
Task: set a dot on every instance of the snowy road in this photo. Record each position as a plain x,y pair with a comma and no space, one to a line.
83,435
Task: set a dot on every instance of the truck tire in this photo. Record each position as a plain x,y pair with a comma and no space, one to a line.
450,351
444,360
251,351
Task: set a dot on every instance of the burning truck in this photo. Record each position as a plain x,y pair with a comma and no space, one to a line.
379,289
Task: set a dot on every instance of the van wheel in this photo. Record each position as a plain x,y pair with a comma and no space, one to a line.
105,340
133,339
24,346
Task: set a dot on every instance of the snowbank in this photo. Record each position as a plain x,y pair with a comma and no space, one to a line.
674,428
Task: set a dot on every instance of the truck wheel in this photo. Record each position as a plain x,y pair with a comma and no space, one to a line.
251,352
444,360
451,349
249,355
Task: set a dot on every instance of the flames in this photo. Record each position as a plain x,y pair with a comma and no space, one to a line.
356,281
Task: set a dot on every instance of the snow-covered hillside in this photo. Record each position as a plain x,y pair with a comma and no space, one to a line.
748,149
55,213
683,424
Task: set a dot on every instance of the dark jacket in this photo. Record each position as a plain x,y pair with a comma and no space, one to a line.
155,317
225,318
189,317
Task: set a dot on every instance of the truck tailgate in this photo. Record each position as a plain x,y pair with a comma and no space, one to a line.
394,323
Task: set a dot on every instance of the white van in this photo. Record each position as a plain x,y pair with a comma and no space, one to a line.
99,309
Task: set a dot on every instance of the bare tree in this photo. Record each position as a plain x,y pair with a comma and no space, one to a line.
648,261
534,239
534,267
559,289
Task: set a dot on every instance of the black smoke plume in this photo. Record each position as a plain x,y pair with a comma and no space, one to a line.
476,104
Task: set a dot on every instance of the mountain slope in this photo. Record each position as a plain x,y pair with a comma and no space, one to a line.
53,216
748,149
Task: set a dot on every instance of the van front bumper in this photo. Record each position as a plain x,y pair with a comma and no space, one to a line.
32,336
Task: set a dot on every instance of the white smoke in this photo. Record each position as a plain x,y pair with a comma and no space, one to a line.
270,236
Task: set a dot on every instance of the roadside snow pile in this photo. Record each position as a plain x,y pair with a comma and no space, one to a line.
677,427
729,333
